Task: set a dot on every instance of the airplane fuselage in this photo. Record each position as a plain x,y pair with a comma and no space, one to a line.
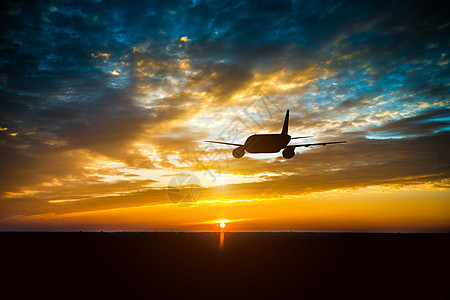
266,143
270,143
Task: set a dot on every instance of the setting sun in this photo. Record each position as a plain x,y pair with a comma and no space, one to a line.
222,223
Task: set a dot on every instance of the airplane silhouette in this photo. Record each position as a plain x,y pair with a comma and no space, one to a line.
271,143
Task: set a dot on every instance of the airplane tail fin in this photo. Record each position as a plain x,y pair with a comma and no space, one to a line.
286,123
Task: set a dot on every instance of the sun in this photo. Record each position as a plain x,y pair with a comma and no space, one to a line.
222,223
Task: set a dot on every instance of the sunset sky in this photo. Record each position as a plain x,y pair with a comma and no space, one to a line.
102,103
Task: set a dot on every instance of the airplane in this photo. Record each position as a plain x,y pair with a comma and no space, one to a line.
271,143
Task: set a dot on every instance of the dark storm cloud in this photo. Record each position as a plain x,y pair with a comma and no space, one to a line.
30,162
222,80
84,195
355,102
428,122
107,125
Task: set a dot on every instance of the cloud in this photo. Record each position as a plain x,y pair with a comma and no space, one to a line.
80,196
358,164
221,80
428,122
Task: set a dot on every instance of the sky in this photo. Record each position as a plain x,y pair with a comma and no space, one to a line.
105,107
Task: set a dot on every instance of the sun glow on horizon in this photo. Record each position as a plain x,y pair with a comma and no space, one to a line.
223,221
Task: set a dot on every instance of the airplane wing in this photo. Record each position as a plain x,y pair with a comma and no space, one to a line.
314,144
231,144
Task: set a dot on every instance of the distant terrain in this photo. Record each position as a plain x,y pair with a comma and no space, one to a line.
250,265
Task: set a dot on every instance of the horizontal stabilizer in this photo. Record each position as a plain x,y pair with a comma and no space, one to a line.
301,137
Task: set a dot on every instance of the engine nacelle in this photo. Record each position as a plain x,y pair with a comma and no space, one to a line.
238,152
289,152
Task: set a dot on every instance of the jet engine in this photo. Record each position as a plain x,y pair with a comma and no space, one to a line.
289,152
238,152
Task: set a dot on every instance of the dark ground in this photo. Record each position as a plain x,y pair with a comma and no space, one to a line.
251,265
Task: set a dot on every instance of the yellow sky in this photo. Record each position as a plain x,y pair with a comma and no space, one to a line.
377,209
